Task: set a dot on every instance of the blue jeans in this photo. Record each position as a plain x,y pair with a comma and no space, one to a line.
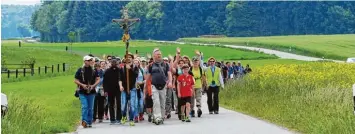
140,101
133,108
87,106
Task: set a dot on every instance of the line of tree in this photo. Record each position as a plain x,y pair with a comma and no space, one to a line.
15,20
169,20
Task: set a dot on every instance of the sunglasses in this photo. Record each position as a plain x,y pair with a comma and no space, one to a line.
109,59
212,61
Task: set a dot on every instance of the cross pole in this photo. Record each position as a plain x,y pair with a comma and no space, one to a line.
125,25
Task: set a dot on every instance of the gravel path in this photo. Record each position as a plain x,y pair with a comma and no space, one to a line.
226,122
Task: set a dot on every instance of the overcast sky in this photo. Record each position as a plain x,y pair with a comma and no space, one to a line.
20,2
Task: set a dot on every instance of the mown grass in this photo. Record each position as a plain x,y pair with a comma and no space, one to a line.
41,106
338,47
312,98
144,47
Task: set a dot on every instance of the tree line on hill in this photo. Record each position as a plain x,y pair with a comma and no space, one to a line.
169,20
15,21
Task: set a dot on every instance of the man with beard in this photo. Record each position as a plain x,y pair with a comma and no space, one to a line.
112,90
129,74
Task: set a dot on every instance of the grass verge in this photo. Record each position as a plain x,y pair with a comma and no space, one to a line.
53,98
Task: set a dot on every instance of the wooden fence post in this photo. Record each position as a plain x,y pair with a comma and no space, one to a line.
24,72
16,73
52,68
8,73
58,68
39,70
63,67
45,69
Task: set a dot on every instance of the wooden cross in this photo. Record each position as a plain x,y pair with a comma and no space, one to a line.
125,25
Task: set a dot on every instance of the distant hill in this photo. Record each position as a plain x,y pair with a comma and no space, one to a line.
15,21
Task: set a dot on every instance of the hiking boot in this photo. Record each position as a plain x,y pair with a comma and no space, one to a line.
123,120
135,119
84,124
131,123
199,113
112,122
168,116
192,113
100,120
158,121
187,119
215,112
90,126
141,117
183,118
211,112
179,117
149,118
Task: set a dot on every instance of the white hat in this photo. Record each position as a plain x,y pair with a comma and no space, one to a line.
165,58
143,59
87,57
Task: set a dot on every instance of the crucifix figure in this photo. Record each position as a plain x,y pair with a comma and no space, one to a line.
125,25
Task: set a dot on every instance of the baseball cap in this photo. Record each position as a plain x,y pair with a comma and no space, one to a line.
87,57
165,58
143,59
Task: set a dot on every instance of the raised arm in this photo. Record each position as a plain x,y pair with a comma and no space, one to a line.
198,54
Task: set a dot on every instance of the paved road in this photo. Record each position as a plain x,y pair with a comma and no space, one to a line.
282,55
227,122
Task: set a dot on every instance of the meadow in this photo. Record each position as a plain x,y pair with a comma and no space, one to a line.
338,47
41,58
309,98
145,47
41,106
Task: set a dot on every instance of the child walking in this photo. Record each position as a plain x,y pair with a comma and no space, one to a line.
185,86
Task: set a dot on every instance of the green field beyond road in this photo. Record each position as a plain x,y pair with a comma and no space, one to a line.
337,47
144,47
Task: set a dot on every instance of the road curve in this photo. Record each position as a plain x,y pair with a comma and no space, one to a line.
282,55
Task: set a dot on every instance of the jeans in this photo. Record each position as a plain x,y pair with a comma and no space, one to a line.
133,107
140,103
87,105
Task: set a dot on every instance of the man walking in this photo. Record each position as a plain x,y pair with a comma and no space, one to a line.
112,90
160,75
129,74
87,79
197,89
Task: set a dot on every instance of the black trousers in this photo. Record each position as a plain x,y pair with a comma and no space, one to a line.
99,107
212,99
115,97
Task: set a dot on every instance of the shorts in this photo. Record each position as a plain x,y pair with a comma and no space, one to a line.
185,100
148,101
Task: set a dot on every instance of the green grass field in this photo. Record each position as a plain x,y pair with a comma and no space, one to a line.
118,48
57,110
337,47
15,55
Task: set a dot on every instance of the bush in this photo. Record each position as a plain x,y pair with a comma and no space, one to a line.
310,98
